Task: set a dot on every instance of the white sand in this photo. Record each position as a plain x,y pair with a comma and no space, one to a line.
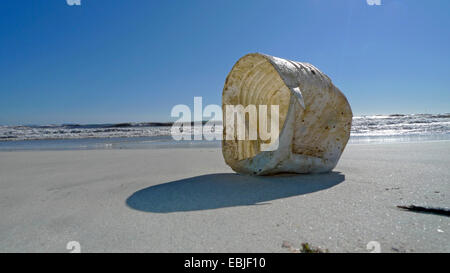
188,200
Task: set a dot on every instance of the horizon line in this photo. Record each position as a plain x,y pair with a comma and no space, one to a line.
169,123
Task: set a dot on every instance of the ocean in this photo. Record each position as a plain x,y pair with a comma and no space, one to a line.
365,129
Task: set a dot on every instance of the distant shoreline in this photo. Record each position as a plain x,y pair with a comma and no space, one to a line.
163,142
364,128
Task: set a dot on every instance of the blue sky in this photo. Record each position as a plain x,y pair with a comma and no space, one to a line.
118,61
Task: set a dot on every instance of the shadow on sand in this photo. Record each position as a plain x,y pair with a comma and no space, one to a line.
222,190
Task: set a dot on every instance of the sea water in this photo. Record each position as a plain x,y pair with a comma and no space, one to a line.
365,129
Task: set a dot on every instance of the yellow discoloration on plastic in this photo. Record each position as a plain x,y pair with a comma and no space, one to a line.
312,138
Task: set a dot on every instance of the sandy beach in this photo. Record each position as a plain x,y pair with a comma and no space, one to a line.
188,200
